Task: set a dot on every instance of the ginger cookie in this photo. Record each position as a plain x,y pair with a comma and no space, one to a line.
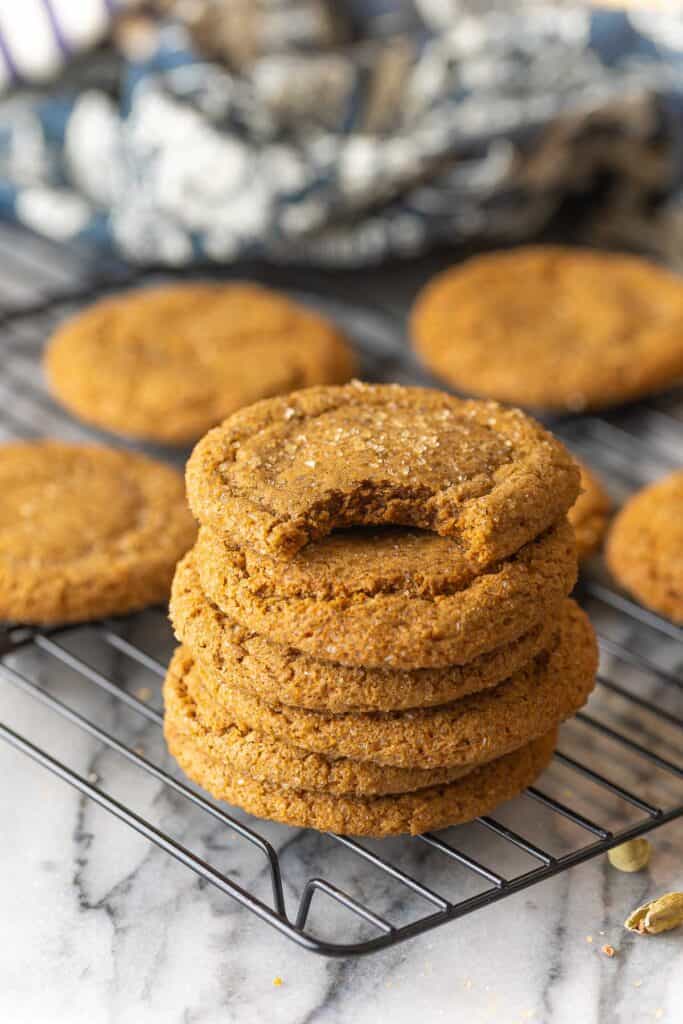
553,328
280,674
645,547
477,728
589,515
268,759
167,363
290,470
434,807
394,598
86,531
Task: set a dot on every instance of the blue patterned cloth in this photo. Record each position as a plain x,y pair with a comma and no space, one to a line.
472,130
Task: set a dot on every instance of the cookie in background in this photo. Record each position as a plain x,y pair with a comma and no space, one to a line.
86,531
553,328
165,364
645,547
589,515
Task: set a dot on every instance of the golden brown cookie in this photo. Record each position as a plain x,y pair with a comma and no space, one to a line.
280,674
476,728
167,363
264,757
86,531
393,598
589,515
475,794
553,328
645,546
291,470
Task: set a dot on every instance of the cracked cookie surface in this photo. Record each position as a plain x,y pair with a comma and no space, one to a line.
393,598
268,758
475,794
290,470
86,531
167,363
551,327
275,672
477,728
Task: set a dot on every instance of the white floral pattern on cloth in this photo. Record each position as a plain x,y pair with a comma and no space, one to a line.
478,131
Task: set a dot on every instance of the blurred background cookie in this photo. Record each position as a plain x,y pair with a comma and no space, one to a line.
645,547
165,364
86,531
589,515
553,327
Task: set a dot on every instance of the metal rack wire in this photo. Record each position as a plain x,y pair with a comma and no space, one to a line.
618,771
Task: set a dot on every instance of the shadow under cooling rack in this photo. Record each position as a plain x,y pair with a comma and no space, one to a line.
84,702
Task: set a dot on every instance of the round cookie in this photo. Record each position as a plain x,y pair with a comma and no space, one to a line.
476,794
86,531
291,470
553,328
167,363
589,515
395,598
477,728
280,674
644,547
263,757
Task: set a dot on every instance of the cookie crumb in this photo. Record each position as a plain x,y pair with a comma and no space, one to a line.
608,950
143,693
589,938
277,981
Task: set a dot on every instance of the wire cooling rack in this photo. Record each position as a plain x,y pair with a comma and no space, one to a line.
84,702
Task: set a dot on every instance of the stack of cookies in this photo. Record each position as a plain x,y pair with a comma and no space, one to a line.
376,635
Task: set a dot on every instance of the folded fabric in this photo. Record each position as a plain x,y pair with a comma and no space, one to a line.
344,142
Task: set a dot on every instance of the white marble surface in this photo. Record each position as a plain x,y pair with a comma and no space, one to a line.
97,926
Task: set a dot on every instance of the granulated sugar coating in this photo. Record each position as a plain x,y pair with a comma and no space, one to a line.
291,470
